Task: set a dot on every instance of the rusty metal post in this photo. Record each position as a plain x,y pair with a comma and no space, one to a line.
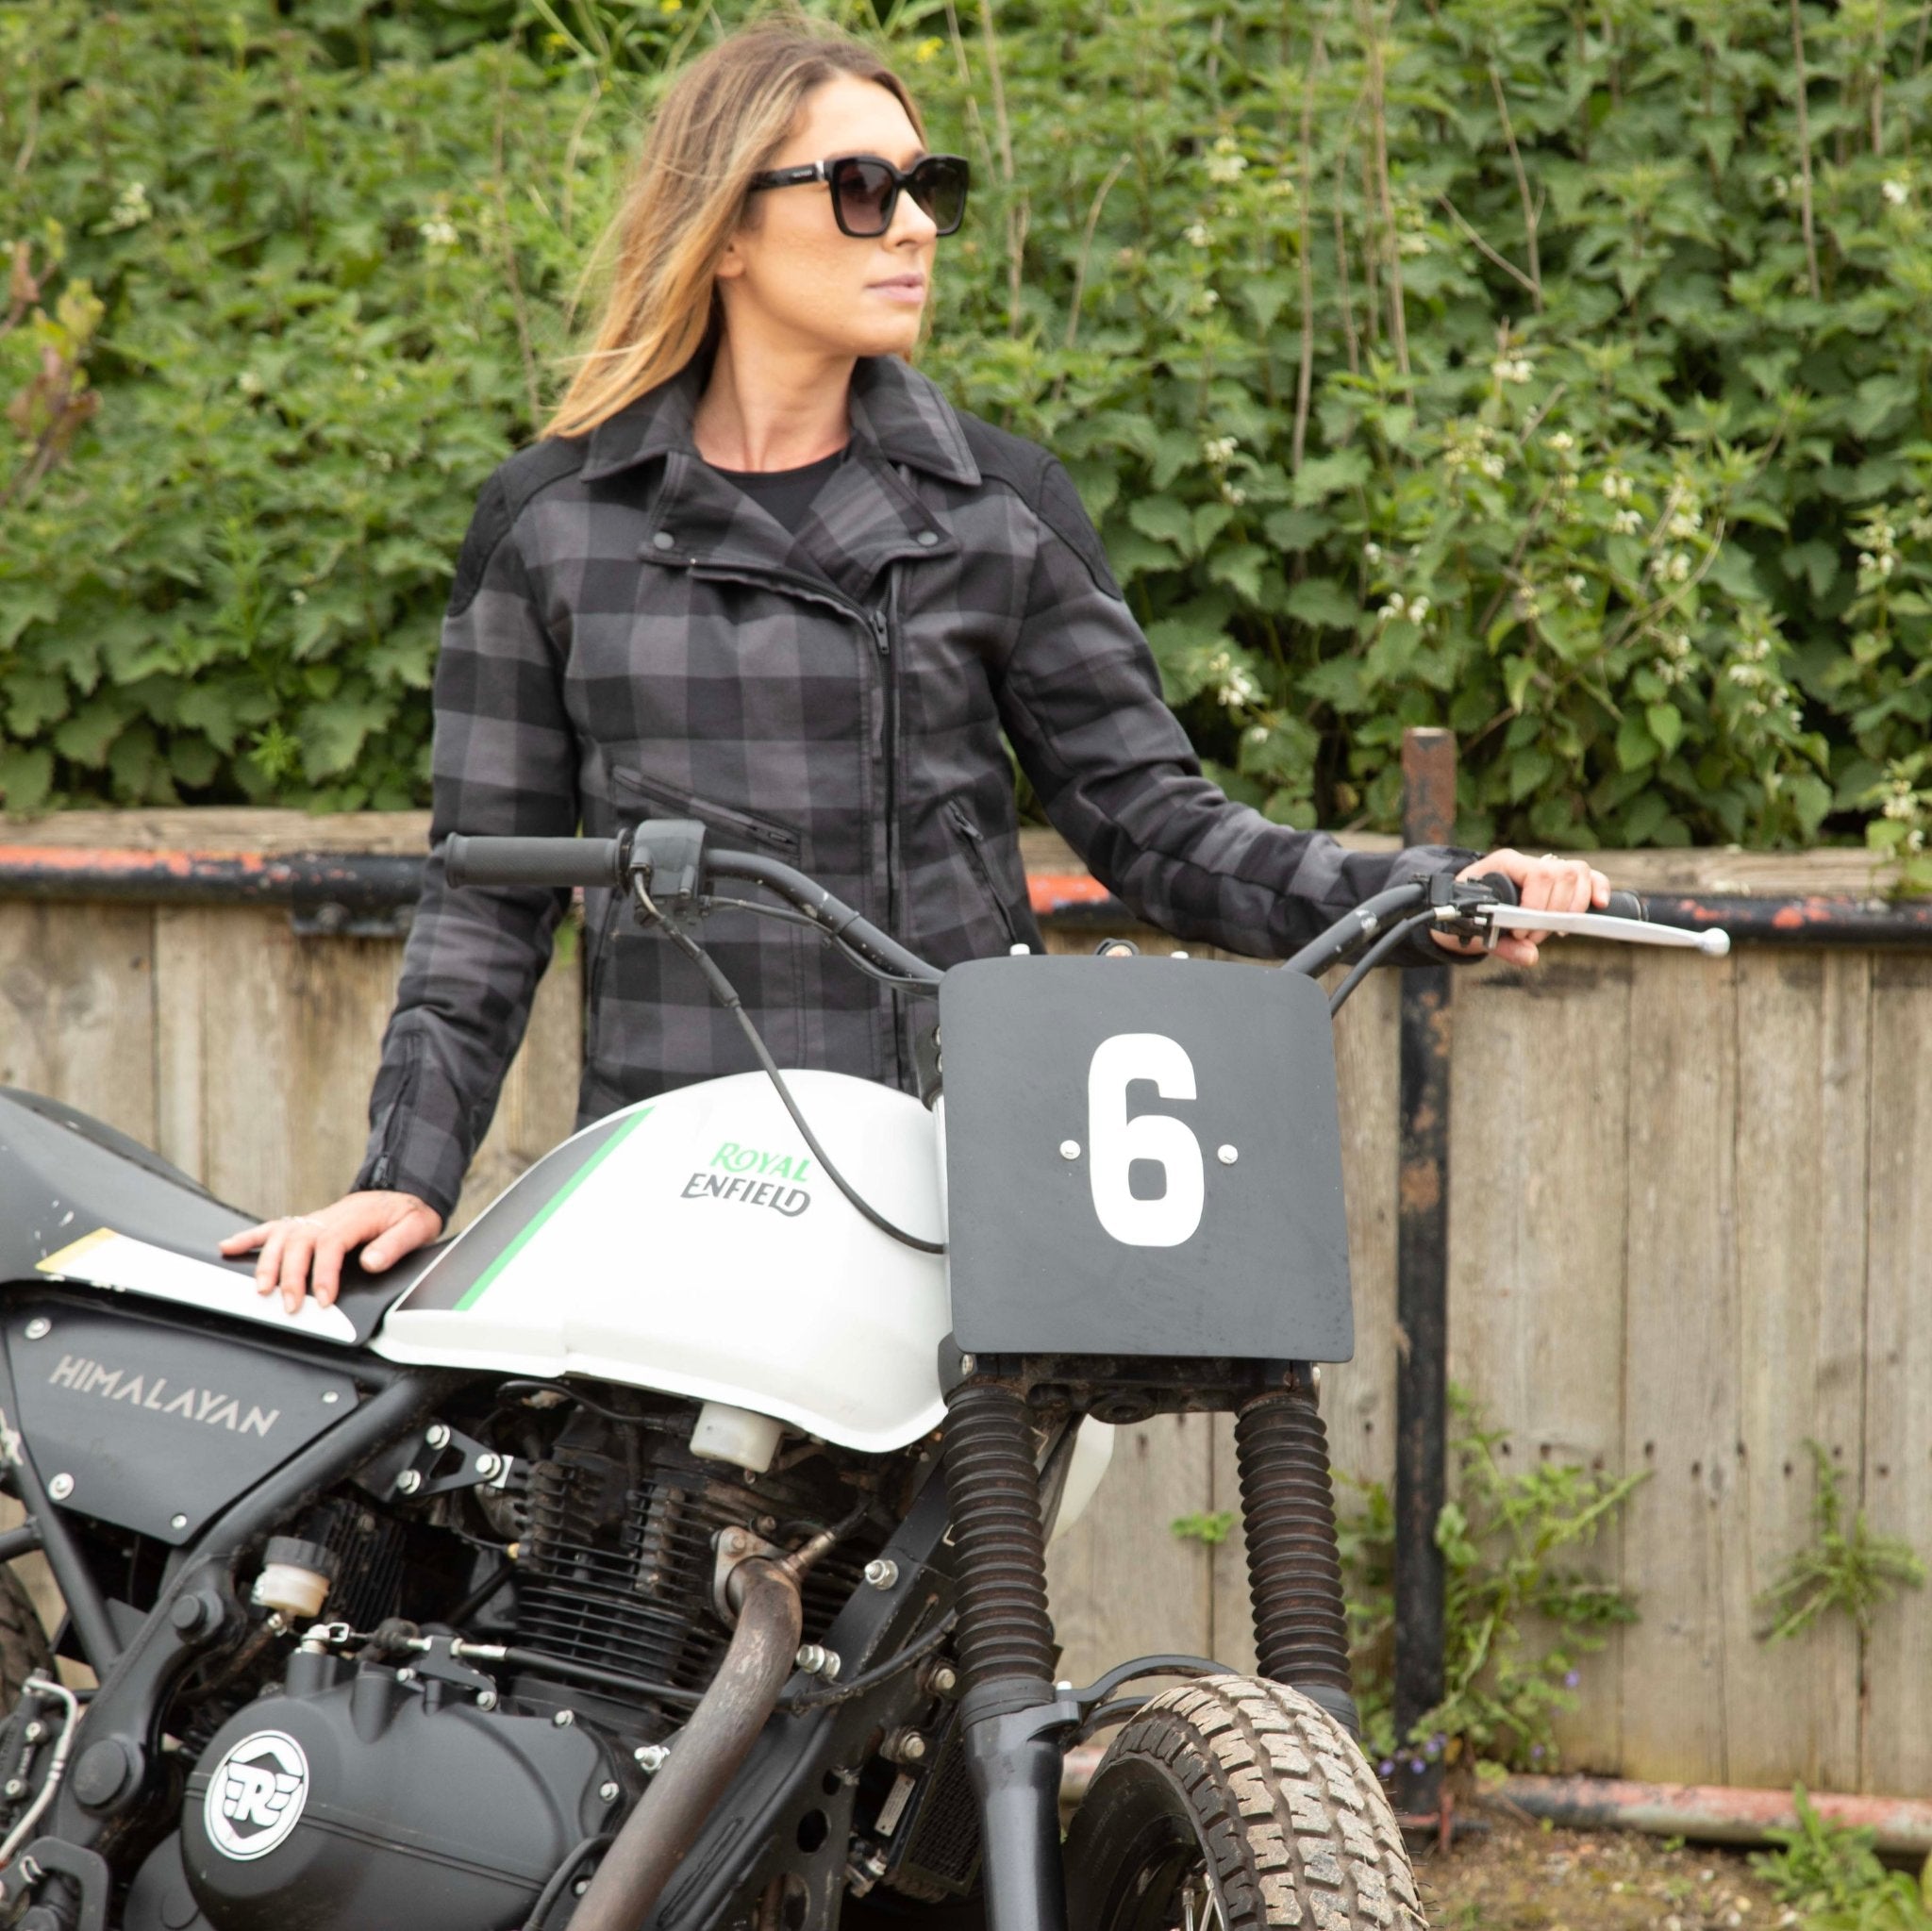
1422,1295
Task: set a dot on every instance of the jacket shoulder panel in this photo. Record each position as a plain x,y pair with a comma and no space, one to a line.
504,498
1042,482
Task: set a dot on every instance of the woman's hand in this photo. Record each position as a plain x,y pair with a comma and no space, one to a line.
304,1252
1545,883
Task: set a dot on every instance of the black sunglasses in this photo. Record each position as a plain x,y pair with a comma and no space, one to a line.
865,190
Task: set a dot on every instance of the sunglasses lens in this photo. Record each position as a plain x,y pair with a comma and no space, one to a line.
865,192
937,184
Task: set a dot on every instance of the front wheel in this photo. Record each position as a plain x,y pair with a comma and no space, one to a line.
1235,1805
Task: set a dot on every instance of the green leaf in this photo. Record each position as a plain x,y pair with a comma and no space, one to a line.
1165,521
1666,725
1636,747
1324,603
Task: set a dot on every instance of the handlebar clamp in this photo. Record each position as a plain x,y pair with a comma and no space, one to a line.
666,866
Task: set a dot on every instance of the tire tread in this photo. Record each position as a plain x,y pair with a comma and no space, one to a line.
1298,1833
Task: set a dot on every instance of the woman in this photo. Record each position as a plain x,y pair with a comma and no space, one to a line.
762,574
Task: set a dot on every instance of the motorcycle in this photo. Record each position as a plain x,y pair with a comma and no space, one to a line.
668,1548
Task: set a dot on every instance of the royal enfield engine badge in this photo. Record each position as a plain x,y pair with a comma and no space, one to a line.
256,1796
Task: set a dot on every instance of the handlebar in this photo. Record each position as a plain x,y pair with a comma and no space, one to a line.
669,867
557,861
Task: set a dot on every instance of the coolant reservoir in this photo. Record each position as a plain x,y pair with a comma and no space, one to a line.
736,1435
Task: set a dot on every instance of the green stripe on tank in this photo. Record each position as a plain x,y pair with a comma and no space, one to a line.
484,1281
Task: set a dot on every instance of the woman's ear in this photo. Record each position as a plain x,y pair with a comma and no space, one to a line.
731,263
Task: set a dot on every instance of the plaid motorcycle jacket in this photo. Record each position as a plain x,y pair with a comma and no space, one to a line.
631,636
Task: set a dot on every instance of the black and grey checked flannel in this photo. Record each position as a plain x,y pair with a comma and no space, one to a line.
631,636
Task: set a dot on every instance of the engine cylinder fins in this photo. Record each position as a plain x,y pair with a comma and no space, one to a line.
993,1498
1294,1566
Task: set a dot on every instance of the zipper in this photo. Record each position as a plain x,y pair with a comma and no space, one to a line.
382,1169
882,636
974,840
765,830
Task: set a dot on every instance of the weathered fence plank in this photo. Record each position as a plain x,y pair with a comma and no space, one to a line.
1804,1088
1680,1363
1538,1120
1897,1693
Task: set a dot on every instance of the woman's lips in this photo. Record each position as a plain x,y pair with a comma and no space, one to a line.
905,288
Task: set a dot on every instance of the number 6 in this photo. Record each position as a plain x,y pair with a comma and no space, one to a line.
1115,1142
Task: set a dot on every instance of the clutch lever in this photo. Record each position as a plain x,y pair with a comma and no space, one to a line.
1714,943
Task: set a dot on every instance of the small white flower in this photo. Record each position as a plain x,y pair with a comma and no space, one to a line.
132,208
1511,369
249,383
1576,583
1616,487
1217,449
1419,610
1492,465
1411,241
1396,609
1371,553
1896,192
1678,567
1686,523
1562,442
1197,234
298,596
1234,494
1626,523
1780,188
439,231
1224,165
1208,299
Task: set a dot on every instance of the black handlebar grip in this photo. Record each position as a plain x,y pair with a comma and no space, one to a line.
1623,905
1626,904
555,862
1499,888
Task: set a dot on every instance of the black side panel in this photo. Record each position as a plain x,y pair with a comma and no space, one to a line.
158,1428
63,1174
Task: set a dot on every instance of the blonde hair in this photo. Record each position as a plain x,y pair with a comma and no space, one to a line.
721,123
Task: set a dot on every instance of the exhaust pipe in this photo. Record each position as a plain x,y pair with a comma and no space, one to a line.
764,1651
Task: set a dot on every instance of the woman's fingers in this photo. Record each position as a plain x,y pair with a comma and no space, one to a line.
298,1252
246,1242
326,1278
268,1266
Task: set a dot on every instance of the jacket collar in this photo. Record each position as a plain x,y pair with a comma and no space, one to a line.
865,518
894,408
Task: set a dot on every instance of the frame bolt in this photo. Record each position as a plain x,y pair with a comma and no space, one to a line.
815,1659
609,1791
60,1487
564,1718
882,1572
438,1435
649,1758
1070,1149
485,1699
39,1328
1227,1156
487,1465
905,1746
410,1481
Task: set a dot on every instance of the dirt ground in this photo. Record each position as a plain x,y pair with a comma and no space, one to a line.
1517,1875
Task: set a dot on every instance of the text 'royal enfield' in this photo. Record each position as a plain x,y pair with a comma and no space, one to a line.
669,1549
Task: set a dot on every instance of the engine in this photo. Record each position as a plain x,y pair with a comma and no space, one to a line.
381,1783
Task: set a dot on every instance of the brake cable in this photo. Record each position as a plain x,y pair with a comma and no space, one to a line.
726,996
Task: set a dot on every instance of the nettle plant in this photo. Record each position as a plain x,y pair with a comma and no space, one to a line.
1555,370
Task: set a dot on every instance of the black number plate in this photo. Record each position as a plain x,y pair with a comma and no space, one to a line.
1142,1157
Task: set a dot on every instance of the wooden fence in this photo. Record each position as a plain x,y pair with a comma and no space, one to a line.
1691,1220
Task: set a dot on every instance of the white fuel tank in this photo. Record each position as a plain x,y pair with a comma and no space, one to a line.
692,1244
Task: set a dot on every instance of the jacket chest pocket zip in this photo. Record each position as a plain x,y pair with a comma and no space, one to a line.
765,831
973,841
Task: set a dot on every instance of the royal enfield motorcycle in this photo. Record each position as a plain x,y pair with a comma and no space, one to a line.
669,1548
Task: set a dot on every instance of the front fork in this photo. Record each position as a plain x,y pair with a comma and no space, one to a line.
1015,1723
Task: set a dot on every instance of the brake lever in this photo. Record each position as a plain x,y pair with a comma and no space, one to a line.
1495,918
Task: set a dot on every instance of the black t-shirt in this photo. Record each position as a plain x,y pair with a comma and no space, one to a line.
786,494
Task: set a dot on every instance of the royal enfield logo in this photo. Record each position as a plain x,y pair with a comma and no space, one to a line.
256,1796
754,1178
208,1405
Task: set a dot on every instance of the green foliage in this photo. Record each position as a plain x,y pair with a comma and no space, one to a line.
1518,1617
1554,371
1211,1528
1832,1877
1844,1571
